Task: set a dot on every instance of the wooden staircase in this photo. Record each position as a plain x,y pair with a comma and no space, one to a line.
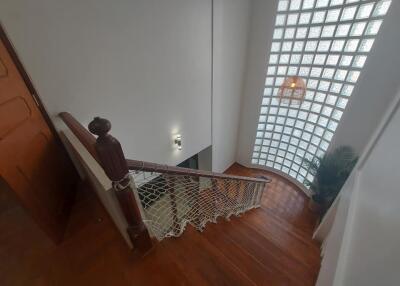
271,245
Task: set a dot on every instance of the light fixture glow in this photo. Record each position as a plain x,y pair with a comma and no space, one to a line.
178,141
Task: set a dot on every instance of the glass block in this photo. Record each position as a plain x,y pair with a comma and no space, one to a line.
311,46
309,95
336,87
283,5
332,125
318,17
336,2
346,60
323,46
328,73
337,45
263,110
301,33
280,120
304,71
359,61
273,59
292,113
314,32
284,59
340,74
303,116
308,4
332,16
316,107
319,59
263,156
275,47
278,33
305,18
332,60
343,30
303,144
320,97
271,70
273,110
269,81
306,137
373,27
324,85
280,20
315,72
281,70
287,46
292,19
268,91
328,31
312,83
319,130
254,161
366,45
347,90
353,76
295,59
323,121
337,115
358,29
331,99
348,13
290,121
342,102
306,105
279,81
289,33
262,118
327,111
313,118
307,59
382,7
295,5
309,127
298,46
292,70
322,3
364,11
324,145
351,45
315,140
328,135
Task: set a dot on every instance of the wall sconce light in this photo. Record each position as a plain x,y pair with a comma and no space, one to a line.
178,141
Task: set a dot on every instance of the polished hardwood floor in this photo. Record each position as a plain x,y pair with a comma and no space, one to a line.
270,245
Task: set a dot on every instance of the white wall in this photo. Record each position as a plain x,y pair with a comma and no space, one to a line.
374,91
362,247
230,21
260,39
143,64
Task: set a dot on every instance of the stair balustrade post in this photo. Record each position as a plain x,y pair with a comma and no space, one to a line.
113,162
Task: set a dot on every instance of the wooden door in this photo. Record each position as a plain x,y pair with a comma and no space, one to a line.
32,162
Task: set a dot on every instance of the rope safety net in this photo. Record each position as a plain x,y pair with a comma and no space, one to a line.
170,201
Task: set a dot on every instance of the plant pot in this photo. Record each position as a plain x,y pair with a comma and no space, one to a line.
314,206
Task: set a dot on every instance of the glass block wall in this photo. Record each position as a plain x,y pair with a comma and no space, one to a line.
326,42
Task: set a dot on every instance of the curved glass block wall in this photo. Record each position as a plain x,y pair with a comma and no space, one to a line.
325,42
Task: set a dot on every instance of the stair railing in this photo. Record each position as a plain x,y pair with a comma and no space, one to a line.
160,200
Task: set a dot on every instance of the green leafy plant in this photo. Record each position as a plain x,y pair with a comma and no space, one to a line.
330,173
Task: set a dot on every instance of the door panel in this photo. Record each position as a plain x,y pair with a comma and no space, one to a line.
31,162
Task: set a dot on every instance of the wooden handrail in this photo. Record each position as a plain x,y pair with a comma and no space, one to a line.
165,169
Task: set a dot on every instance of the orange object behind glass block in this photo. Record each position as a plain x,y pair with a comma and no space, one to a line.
292,91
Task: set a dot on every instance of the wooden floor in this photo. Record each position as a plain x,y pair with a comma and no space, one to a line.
267,246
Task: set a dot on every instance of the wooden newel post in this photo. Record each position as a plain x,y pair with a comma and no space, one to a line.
114,164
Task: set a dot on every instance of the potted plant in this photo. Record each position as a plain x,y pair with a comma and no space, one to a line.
330,173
